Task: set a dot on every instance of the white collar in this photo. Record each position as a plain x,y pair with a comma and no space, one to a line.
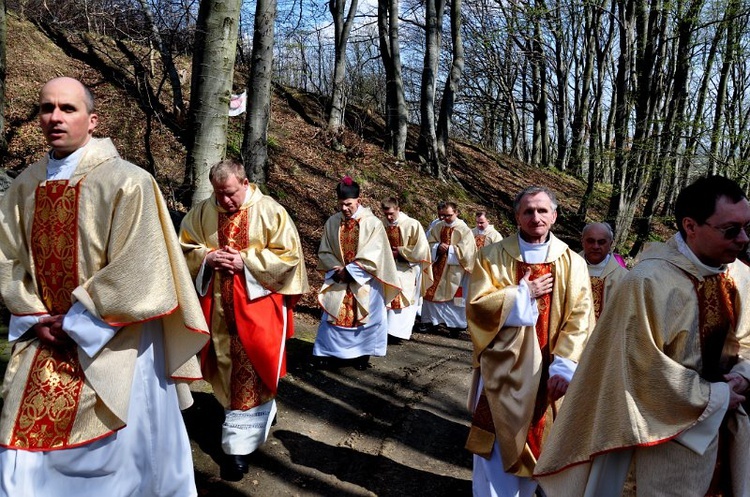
60,169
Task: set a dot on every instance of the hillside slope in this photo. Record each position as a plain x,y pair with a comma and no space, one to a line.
305,169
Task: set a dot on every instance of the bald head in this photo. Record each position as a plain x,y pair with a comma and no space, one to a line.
597,241
66,115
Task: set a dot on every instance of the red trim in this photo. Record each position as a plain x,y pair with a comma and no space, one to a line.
615,449
159,316
73,446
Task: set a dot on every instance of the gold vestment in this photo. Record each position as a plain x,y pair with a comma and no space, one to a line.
272,253
412,248
642,380
372,255
129,270
509,358
446,284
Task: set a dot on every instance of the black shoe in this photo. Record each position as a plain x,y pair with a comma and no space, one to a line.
392,340
234,468
319,362
362,363
455,332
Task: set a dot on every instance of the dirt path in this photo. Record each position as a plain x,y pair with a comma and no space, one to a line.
397,429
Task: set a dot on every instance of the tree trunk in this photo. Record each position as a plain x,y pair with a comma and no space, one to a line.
211,88
342,29
427,132
390,52
579,129
255,141
166,59
451,84
721,90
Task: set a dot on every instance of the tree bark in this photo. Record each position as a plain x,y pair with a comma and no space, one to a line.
451,84
211,87
390,52
255,141
342,29
427,130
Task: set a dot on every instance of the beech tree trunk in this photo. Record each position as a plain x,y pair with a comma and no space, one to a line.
342,29
211,89
390,52
451,84
255,141
427,147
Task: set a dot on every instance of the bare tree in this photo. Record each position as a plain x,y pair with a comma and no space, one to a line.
428,149
255,141
390,52
342,30
211,87
451,84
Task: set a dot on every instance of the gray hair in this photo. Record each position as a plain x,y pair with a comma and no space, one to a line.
606,226
533,190
220,171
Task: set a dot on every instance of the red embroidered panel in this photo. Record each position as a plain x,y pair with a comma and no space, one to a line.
536,430
479,240
233,233
248,390
438,267
55,243
349,242
394,236
395,240
716,297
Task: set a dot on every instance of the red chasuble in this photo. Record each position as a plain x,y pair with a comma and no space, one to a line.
50,399
254,327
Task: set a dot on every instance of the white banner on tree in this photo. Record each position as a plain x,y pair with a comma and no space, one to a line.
237,104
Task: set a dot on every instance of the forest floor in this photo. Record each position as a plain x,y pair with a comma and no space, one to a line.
397,429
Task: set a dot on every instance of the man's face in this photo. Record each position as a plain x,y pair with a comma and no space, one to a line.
348,206
535,217
713,242
391,214
230,193
596,244
482,222
63,117
448,214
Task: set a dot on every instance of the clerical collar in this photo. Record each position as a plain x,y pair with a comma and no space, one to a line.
450,225
395,221
356,214
533,253
60,169
482,232
703,269
596,270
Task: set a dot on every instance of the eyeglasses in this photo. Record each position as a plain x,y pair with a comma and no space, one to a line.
733,231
